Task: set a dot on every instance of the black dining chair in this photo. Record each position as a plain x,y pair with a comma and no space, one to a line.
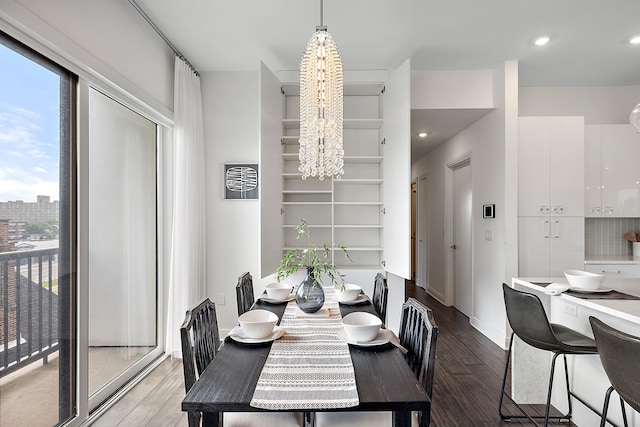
200,345
418,334
379,299
244,293
529,322
619,353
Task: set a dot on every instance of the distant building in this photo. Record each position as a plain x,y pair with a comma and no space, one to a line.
20,211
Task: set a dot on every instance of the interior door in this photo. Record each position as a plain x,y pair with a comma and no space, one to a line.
462,195
270,175
422,234
397,172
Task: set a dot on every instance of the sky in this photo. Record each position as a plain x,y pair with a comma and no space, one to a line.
29,129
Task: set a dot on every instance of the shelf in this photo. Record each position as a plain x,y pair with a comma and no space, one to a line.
290,140
346,123
358,226
292,175
349,89
310,226
360,248
362,159
372,181
347,159
359,203
306,203
306,191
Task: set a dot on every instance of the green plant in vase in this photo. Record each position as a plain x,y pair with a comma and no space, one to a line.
317,262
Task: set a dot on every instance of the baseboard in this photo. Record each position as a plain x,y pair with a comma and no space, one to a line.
437,295
494,335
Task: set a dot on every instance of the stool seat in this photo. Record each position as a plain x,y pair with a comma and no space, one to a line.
572,342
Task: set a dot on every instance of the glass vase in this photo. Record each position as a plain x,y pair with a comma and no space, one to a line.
310,296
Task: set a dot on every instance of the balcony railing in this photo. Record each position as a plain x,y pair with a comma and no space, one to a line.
29,306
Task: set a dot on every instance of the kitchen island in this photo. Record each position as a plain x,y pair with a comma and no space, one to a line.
530,366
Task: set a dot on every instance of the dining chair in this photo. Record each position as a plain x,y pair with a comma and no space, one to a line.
200,344
619,356
379,299
244,293
418,334
529,322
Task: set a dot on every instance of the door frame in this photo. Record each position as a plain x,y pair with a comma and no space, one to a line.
422,231
448,230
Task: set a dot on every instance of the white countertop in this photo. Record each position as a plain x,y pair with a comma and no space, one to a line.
624,309
612,260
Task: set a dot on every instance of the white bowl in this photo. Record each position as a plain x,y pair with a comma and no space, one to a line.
361,326
258,323
349,292
584,279
278,290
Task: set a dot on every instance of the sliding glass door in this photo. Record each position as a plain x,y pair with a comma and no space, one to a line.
122,257
81,310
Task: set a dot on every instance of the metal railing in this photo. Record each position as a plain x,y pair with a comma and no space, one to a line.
29,307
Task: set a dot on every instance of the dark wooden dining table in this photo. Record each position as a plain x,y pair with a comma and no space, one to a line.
383,378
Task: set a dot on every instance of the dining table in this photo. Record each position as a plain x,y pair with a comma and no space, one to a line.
384,380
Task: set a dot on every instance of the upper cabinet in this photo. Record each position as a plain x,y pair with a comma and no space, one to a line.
357,210
612,171
551,166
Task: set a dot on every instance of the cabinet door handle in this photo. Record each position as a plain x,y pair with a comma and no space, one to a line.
557,227
546,229
611,271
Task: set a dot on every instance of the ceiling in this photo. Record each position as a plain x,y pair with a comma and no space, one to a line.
589,39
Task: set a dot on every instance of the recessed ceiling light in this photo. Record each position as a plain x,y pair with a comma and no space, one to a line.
634,40
422,134
541,41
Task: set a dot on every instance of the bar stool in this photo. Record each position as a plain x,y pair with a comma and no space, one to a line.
618,353
529,322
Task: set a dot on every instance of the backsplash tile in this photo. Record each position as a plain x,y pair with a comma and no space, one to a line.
605,236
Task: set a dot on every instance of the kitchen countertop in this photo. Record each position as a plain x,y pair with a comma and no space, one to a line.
612,260
628,310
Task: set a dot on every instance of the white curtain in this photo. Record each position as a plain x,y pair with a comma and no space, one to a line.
187,269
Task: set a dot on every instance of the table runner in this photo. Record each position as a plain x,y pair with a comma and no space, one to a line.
309,367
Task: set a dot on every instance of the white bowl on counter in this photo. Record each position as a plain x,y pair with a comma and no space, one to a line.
584,279
279,291
348,292
361,326
258,323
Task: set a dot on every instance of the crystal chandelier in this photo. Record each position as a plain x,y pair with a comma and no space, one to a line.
634,117
321,151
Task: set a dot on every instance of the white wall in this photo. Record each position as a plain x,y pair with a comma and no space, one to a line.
232,132
435,89
486,141
598,104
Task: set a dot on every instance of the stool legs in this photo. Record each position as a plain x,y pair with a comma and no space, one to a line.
605,408
546,416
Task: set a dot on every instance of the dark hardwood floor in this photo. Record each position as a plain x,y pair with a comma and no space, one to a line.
468,377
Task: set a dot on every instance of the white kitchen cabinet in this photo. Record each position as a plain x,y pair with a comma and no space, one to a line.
551,166
614,270
612,171
550,195
353,211
549,246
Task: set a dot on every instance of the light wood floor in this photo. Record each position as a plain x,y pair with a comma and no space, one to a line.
468,377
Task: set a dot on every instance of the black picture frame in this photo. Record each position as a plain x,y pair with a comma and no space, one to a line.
488,211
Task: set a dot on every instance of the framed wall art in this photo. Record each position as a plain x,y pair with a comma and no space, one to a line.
241,181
